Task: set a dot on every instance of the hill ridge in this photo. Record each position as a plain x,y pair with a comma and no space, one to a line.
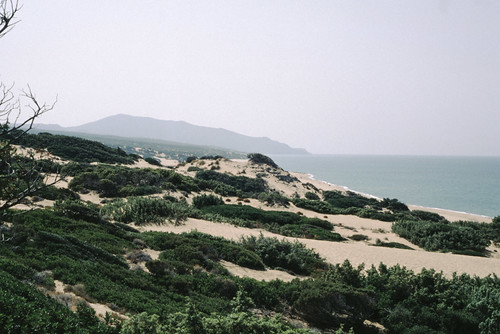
179,131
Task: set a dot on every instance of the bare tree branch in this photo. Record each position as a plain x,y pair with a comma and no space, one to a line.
10,107
20,175
8,11
18,178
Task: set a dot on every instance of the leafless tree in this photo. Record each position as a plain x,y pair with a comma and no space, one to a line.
8,11
19,175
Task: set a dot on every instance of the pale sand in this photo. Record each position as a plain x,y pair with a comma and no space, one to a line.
355,252
38,154
266,275
141,163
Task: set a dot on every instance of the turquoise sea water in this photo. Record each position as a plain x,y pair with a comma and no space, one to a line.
465,184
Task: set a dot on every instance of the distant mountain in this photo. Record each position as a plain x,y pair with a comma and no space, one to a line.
179,131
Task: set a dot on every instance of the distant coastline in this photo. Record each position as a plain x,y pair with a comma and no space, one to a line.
460,185
451,215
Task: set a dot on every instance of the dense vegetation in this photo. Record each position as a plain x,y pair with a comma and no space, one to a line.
187,289
285,223
291,256
458,237
141,210
27,310
258,158
350,203
118,181
230,185
76,149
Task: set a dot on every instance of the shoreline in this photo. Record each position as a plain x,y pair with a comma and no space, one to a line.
451,215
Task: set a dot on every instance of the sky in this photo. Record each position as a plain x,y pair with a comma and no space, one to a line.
414,77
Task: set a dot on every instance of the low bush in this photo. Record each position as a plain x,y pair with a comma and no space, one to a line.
359,237
312,196
426,216
117,181
306,231
207,200
153,161
142,210
84,229
234,185
273,198
77,209
27,310
350,199
443,236
247,212
198,248
381,243
292,256
258,158
53,193
193,169
394,205
285,223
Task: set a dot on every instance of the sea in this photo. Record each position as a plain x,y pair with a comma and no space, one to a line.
463,184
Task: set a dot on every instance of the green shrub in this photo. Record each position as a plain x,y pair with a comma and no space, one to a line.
381,243
153,161
77,209
207,200
317,206
348,200
76,149
273,198
443,236
359,237
394,205
16,269
53,193
285,223
250,213
244,186
197,248
27,310
427,216
306,231
142,210
292,256
86,229
258,158
312,196
111,181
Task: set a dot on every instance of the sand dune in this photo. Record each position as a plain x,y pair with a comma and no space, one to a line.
355,252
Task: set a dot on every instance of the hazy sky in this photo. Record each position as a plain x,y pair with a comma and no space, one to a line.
355,77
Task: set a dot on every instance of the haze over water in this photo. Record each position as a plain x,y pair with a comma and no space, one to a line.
465,184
